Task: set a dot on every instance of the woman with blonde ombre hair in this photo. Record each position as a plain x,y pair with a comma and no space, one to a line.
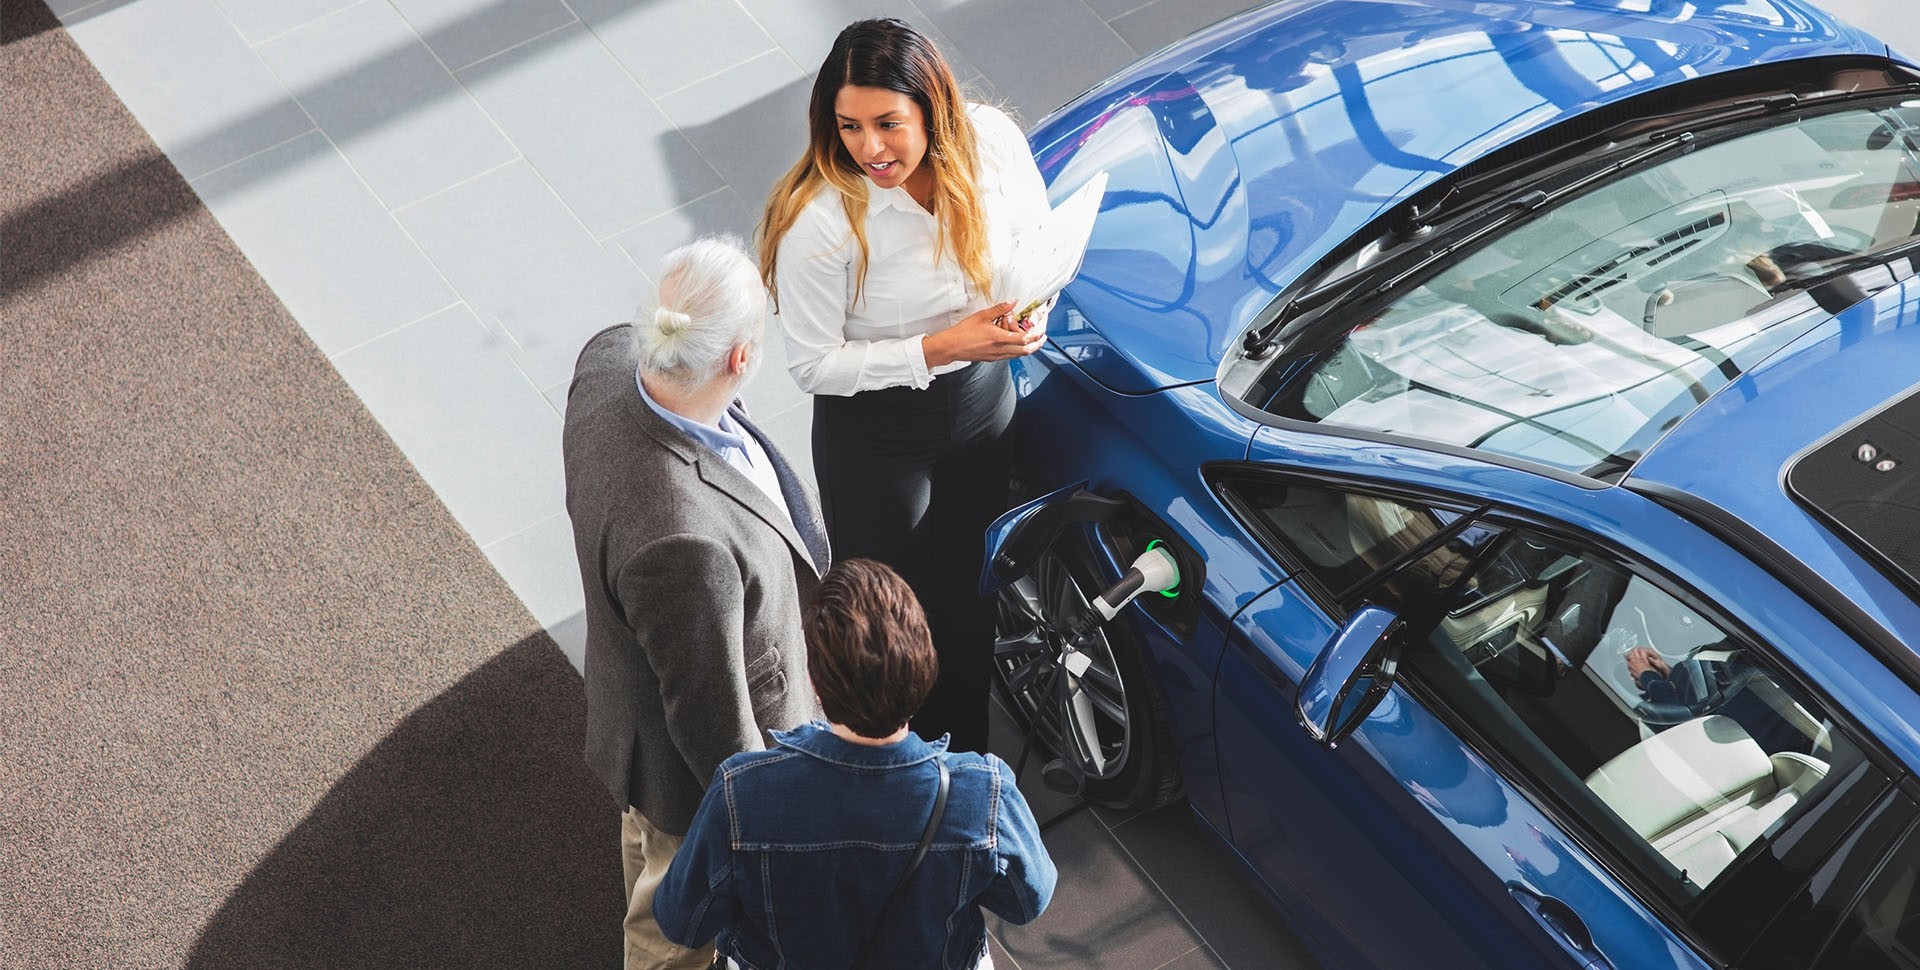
879,248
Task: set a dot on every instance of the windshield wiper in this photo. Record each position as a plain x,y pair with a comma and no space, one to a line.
1672,124
1258,343
1836,287
1707,115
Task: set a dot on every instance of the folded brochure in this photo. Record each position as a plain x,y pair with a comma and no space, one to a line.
1046,256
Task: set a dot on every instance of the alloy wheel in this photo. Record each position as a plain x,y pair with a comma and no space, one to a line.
1057,666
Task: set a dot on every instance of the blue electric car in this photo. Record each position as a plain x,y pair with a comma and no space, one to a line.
1497,424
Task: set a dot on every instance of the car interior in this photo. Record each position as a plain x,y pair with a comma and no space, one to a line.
1695,749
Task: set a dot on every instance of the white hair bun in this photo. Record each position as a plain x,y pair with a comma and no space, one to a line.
670,322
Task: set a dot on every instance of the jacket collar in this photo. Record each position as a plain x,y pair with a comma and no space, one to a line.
811,548
818,740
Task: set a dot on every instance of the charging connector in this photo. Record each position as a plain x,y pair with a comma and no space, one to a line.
1156,571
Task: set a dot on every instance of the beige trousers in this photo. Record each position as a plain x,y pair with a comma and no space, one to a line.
645,853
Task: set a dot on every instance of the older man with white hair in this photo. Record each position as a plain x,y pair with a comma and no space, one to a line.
698,543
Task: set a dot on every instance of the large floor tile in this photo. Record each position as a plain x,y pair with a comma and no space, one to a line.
556,394
533,274
749,121
1105,914
463,31
610,154
259,20
1114,8
1210,891
1020,47
455,403
669,44
1008,741
1164,21
1199,958
805,29
539,563
72,12
403,121
722,212
193,82
332,253
570,635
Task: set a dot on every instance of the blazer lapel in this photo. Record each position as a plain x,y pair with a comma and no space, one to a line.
731,482
801,504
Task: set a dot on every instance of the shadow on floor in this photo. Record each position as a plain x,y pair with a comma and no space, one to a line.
473,835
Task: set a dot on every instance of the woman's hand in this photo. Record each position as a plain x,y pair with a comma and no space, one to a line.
982,335
1033,316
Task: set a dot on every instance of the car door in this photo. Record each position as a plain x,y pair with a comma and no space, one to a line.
1573,768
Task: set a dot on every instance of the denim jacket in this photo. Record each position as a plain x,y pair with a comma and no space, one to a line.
795,850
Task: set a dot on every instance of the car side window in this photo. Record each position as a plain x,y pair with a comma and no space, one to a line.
1343,538
1677,745
1882,928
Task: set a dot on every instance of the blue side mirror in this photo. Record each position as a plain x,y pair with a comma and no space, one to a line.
1350,677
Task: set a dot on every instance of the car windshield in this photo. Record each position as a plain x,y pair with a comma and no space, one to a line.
1576,337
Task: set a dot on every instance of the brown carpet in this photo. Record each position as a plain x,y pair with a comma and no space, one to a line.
262,702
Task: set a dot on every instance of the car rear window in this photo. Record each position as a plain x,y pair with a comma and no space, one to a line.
1862,483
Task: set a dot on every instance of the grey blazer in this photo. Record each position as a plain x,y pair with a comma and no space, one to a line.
693,580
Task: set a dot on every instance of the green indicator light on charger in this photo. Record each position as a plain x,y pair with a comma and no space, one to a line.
1174,592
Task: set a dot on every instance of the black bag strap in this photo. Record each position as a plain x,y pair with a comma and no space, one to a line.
913,864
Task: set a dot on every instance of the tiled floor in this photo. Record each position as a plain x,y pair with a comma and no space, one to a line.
452,195
1137,890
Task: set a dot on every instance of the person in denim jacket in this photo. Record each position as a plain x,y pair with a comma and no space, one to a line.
796,850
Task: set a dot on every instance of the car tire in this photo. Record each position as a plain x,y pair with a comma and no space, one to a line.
1127,763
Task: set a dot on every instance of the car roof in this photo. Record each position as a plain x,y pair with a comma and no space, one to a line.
1732,454
1243,155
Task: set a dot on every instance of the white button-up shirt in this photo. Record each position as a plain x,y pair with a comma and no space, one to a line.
835,346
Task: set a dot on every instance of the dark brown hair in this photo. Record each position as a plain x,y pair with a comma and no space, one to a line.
868,649
891,55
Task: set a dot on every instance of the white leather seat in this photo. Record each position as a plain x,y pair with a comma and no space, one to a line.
1700,792
1520,611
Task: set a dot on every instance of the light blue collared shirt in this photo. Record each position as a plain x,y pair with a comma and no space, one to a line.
730,441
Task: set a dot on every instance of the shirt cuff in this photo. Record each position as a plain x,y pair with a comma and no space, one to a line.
918,374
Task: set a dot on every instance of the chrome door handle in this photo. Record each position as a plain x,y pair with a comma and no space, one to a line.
1563,924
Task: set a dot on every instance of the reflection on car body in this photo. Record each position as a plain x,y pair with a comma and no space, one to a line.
1500,387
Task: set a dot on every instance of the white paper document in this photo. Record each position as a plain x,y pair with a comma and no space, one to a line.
1045,257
